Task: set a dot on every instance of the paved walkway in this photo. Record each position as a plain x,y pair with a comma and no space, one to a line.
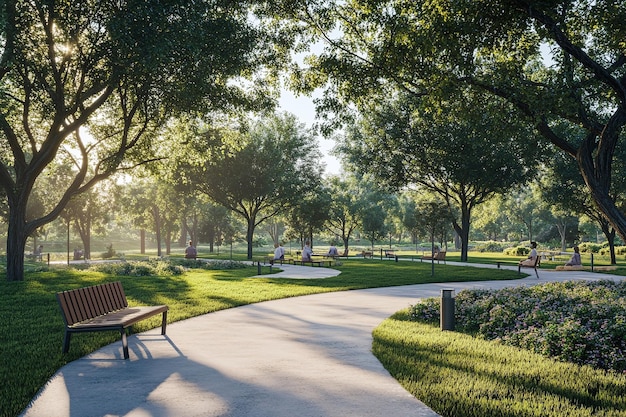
304,356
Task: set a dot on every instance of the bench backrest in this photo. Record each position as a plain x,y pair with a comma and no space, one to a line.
90,302
441,255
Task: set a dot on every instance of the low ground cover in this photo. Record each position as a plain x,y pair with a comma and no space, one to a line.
459,375
548,350
31,328
579,322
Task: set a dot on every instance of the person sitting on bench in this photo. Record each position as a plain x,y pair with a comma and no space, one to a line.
532,256
332,251
575,259
279,253
307,253
191,252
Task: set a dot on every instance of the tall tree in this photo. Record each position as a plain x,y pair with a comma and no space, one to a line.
215,223
465,152
345,208
89,212
554,61
434,221
118,68
310,214
257,173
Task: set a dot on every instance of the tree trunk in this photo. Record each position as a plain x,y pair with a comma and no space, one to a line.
142,243
562,229
250,236
595,168
157,226
345,240
168,241
609,233
462,231
16,244
84,229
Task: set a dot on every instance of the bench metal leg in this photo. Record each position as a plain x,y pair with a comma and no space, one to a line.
124,343
66,341
164,323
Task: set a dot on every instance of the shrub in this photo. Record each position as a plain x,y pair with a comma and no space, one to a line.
211,264
588,247
491,246
138,268
517,251
579,322
619,250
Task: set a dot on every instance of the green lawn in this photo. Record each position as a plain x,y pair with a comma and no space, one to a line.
31,329
458,375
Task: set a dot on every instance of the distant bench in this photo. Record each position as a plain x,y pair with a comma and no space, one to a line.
439,256
534,266
570,268
100,308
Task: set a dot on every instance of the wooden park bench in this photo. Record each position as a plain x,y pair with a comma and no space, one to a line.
389,253
570,268
536,264
100,308
318,263
439,256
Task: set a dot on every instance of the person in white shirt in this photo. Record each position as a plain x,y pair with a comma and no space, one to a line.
307,252
279,253
532,256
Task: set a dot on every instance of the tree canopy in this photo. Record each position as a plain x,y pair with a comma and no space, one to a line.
96,80
464,151
258,172
555,62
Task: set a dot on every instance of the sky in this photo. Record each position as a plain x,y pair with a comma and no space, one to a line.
304,109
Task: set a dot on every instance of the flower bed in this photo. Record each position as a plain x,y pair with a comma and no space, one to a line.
579,322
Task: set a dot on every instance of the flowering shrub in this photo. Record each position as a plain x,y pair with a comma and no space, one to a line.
139,268
491,246
212,264
517,251
578,322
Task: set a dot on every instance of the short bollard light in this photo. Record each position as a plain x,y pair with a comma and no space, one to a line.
446,311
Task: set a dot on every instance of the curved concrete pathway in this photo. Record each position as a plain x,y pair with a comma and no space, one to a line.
303,356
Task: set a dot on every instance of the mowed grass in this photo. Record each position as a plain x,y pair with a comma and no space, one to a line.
458,375
31,328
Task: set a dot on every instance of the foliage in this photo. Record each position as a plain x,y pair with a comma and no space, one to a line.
213,264
493,247
137,268
579,322
589,247
458,375
257,171
89,84
517,251
555,62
